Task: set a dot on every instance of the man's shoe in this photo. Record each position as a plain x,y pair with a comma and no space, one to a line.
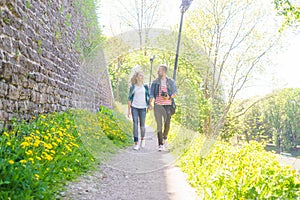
143,143
160,148
166,144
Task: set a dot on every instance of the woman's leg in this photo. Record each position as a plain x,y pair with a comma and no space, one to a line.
142,117
135,118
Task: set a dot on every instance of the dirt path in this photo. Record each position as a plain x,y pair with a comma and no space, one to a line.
135,175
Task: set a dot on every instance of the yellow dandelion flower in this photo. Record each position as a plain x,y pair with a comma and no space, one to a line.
54,144
27,138
11,162
8,143
39,158
31,160
23,161
5,134
28,153
68,148
36,143
43,116
24,144
52,151
63,153
37,176
46,137
48,157
65,169
240,173
76,145
37,137
37,131
48,146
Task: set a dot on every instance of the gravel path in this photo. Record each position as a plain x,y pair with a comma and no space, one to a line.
145,174
291,161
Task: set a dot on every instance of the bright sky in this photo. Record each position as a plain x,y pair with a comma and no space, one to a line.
289,63
287,73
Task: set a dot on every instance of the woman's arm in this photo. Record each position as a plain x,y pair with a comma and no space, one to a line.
129,109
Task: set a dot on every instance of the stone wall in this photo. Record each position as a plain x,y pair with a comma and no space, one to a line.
41,67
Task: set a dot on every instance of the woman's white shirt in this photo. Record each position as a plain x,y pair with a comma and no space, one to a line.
139,99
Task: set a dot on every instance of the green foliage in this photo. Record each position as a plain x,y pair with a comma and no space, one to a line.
275,120
28,5
247,172
38,157
282,112
289,11
90,43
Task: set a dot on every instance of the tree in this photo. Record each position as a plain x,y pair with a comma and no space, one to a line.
140,15
236,37
289,11
274,119
282,112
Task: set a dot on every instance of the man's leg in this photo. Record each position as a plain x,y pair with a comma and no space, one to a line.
158,113
167,121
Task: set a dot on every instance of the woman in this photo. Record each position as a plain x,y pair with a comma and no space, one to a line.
138,101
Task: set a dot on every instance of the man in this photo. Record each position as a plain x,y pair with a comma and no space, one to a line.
162,91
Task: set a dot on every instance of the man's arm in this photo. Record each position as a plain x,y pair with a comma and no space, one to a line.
174,90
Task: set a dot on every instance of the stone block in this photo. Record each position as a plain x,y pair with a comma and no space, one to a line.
3,115
15,79
43,98
7,71
25,94
35,97
3,89
13,93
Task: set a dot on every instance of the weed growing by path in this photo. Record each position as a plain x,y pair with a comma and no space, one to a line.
37,158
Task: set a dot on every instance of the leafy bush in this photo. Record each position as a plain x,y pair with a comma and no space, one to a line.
37,158
247,172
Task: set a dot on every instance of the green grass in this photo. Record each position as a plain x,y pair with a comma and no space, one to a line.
246,172
37,158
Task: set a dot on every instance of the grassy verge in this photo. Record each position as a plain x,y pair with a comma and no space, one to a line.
247,172
37,158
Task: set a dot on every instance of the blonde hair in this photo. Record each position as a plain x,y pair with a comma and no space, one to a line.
134,77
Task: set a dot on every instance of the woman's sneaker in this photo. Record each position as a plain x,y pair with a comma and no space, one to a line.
160,148
143,143
136,147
